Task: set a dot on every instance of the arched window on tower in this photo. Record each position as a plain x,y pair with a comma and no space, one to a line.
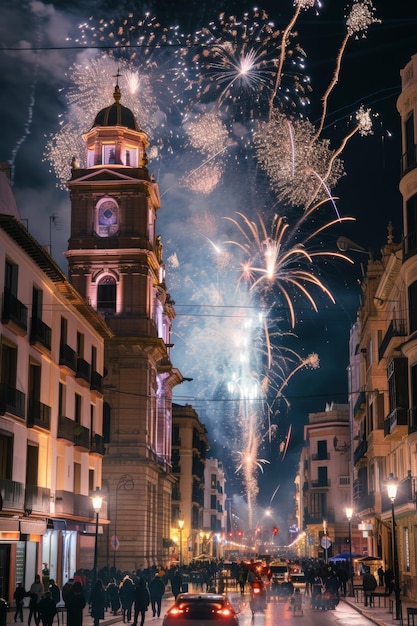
106,295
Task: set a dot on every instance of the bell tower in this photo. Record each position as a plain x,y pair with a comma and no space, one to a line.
115,262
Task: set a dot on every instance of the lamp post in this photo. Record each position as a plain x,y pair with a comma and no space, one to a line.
180,526
349,513
97,500
392,486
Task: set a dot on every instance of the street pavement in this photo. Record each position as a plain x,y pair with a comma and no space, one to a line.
382,615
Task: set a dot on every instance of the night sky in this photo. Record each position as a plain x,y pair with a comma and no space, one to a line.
38,47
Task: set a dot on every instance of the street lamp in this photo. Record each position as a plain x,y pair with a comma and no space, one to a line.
180,526
97,500
349,513
392,486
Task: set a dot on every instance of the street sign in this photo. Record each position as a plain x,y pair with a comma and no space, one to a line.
114,542
326,543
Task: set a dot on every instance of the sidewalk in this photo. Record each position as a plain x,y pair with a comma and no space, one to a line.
380,614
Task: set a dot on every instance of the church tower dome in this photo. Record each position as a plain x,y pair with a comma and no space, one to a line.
115,139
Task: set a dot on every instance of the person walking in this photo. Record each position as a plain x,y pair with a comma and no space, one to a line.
156,591
47,609
176,584
369,585
112,591
142,600
55,591
19,595
75,603
98,602
380,576
35,594
127,595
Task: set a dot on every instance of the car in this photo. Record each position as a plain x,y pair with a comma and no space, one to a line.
298,580
280,572
201,609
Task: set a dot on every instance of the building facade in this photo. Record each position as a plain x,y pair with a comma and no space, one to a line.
51,407
323,485
115,262
214,513
189,449
384,379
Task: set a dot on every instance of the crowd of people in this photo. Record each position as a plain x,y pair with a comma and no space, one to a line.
128,594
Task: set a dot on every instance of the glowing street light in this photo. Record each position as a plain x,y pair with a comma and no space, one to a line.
180,526
349,513
97,501
392,486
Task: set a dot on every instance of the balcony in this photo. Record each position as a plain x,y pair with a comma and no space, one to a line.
96,383
410,245
83,372
319,484
412,420
321,456
13,495
39,415
396,424
81,437
409,160
397,328
406,494
67,358
14,313
360,452
37,499
97,445
64,502
40,334
83,506
66,428
12,401
360,402
365,502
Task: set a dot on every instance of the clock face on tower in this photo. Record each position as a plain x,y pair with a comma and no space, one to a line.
107,217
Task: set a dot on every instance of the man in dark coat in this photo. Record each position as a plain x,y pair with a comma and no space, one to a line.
98,602
369,585
47,609
75,603
156,590
142,600
176,583
19,595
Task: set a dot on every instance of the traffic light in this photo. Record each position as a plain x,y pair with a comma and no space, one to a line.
275,530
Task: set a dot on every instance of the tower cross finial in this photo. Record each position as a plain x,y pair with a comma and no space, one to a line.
117,76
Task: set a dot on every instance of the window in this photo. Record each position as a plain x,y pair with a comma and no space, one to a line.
6,456
8,365
10,278
34,389
412,304
32,462
322,450
106,295
109,154
322,476
77,478
213,481
37,300
397,373
409,142
80,345
406,549
61,399
64,331
93,359
92,413
213,502
78,403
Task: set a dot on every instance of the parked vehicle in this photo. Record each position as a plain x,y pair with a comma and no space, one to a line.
201,609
